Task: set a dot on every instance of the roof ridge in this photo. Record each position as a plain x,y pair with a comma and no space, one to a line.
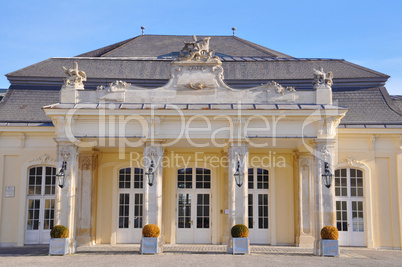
120,46
367,69
259,47
112,47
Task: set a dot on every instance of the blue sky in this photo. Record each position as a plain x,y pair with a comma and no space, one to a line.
368,32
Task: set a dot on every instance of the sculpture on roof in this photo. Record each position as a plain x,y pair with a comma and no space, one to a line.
199,49
322,78
75,77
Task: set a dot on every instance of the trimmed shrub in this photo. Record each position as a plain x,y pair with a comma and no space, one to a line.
329,232
150,230
239,230
59,231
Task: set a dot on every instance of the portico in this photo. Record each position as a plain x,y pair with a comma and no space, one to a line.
192,136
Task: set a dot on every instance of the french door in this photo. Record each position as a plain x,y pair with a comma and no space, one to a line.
350,216
258,206
130,205
40,204
193,206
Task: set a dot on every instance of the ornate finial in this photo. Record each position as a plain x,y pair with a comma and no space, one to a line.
234,31
142,28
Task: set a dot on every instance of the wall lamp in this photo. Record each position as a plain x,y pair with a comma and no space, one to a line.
61,175
327,175
151,173
239,175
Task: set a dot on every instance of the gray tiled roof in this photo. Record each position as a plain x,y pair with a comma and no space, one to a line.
106,68
397,100
25,105
367,106
168,45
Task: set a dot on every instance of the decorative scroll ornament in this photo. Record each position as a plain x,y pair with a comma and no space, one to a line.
322,78
43,159
75,77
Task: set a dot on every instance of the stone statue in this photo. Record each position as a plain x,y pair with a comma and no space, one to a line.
75,77
322,78
199,49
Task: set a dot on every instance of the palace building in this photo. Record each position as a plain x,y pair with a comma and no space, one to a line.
196,134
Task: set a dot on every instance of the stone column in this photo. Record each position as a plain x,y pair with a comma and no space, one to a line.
65,200
86,197
324,198
305,201
238,196
153,194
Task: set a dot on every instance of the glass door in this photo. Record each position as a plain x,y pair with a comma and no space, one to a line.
350,218
40,204
258,206
193,206
130,205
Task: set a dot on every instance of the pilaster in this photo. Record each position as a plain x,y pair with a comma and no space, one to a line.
65,199
324,198
305,202
153,194
86,197
238,196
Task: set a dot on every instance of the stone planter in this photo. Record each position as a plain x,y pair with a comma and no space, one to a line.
150,245
239,245
58,246
329,247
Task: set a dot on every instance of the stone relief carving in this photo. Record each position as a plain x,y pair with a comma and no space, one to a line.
44,158
238,154
153,153
281,90
305,164
326,153
65,154
197,86
350,161
85,162
114,92
75,77
197,50
118,86
322,78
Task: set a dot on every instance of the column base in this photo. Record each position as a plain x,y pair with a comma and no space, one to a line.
305,241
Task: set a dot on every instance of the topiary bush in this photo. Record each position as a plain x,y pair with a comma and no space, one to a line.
239,230
150,230
59,231
329,232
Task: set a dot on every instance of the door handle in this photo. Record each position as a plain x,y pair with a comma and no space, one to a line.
191,222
